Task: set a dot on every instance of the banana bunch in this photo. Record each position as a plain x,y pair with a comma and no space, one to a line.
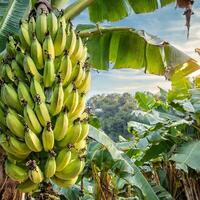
44,78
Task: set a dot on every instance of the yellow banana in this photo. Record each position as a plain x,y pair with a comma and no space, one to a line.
36,53
41,27
71,102
16,173
60,40
65,69
35,174
49,72
48,47
37,90
72,134
14,124
80,77
24,34
68,90
61,126
80,145
42,112
71,41
84,55
72,170
32,141
18,146
64,183
57,62
75,71
86,84
31,120
48,137
18,72
24,93
10,97
52,24
63,158
84,131
50,167
57,99
30,68
28,186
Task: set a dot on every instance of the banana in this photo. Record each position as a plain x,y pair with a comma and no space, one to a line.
31,120
24,34
48,137
86,84
14,156
71,102
80,108
84,131
32,141
18,72
63,159
50,167
11,47
15,125
10,97
52,24
80,145
24,93
2,118
75,71
60,40
65,69
68,90
42,112
20,56
72,135
84,56
71,41
18,146
57,62
72,170
64,183
37,90
30,68
57,99
31,27
35,174
10,73
36,53
41,27
80,77
49,72
48,47
61,126
15,172
28,186
78,51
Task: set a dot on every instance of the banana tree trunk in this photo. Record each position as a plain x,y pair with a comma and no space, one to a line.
8,189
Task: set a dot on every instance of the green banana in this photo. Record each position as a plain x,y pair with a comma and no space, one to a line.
61,126
11,47
68,90
49,72
36,53
42,112
71,41
84,130
36,89
28,186
15,172
41,27
14,124
35,174
10,97
20,56
57,99
72,170
31,120
32,141
31,27
30,68
86,84
48,47
82,144
48,138
80,77
60,40
63,159
18,72
52,24
10,73
72,135
50,167
2,118
64,183
24,93
65,69
24,34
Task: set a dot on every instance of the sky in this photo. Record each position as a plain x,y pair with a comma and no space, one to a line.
169,24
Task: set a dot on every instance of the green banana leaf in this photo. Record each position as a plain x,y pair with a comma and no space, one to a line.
3,6
124,47
138,178
9,24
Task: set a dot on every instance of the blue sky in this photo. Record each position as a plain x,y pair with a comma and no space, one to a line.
169,24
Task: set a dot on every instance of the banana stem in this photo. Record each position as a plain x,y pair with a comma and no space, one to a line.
101,30
76,8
